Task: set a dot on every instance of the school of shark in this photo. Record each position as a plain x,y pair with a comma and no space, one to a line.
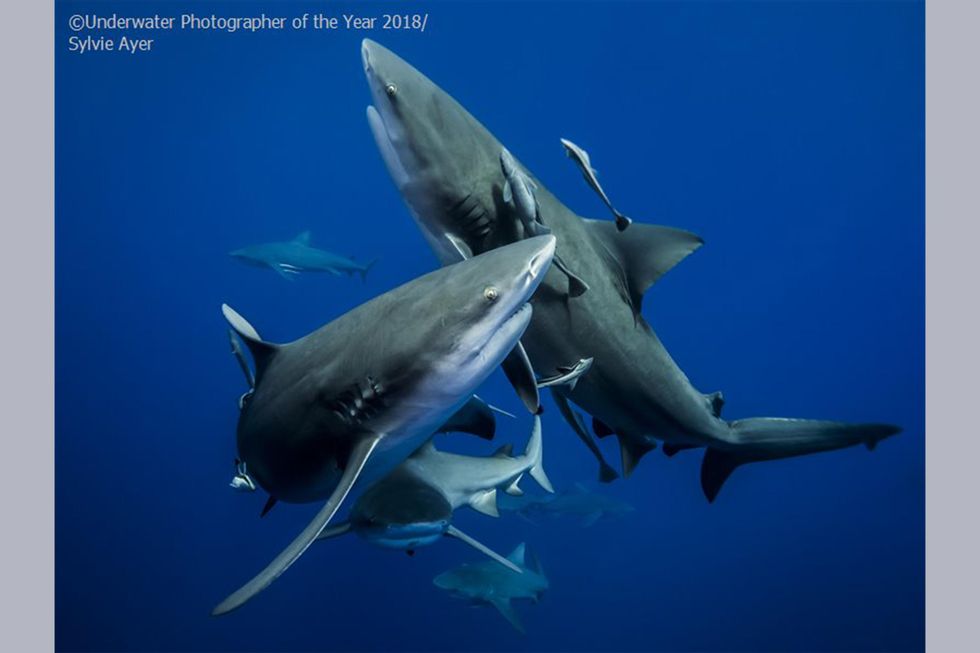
347,416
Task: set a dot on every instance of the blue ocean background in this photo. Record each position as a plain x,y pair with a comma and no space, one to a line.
790,135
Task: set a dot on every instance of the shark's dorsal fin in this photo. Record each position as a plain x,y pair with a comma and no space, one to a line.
452,531
517,555
646,252
427,448
474,417
262,351
303,238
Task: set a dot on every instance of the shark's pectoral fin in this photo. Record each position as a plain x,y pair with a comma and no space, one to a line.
262,351
463,537
591,518
334,531
475,417
505,608
645,253
485,502
632,449
517,368
606,473
355,463
716,467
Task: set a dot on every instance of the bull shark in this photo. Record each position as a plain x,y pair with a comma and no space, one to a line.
487,583
293,257
354,398
413,505
578,502
446,166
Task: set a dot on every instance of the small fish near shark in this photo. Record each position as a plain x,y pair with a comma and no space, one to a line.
491,584
291,258
413,505
351,400
581,159
446,165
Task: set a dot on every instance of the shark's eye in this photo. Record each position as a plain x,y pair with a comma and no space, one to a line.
490,294
391,89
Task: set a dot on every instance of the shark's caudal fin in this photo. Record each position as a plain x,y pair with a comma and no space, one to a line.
772,438
535,453
367,268
606,472
358,457
262,351
487,551
643,254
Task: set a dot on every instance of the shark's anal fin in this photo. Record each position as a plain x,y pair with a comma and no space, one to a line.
606,473
646,252
358,458
463,537
485,502
716,467
517,368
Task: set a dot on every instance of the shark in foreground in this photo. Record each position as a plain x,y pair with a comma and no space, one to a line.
360,394
577,502
413,505
487,583
293,257
446,166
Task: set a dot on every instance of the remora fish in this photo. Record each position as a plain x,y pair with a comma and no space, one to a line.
413,505
361,393
581,159
292,257
487,583
519,193
445,164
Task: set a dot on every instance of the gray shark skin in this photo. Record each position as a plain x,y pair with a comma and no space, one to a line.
577,502
413,505
293,257
487,583
446,166
362,392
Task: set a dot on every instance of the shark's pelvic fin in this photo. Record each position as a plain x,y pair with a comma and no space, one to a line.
645,253
485,502
505,608
632,449
517,368
269,505
358,457
535,452
262,351
475,417
600,428
606,473
463,537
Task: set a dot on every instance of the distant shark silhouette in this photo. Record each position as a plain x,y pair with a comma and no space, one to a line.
291,258
447,167
488,583
413,505
577,502
357,396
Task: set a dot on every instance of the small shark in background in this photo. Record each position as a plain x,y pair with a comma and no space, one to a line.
487,583
413,506
292,257
578,502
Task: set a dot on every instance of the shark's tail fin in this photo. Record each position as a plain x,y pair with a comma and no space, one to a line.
771,438
364,270
534,454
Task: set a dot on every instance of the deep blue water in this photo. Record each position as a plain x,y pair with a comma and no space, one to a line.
790,135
